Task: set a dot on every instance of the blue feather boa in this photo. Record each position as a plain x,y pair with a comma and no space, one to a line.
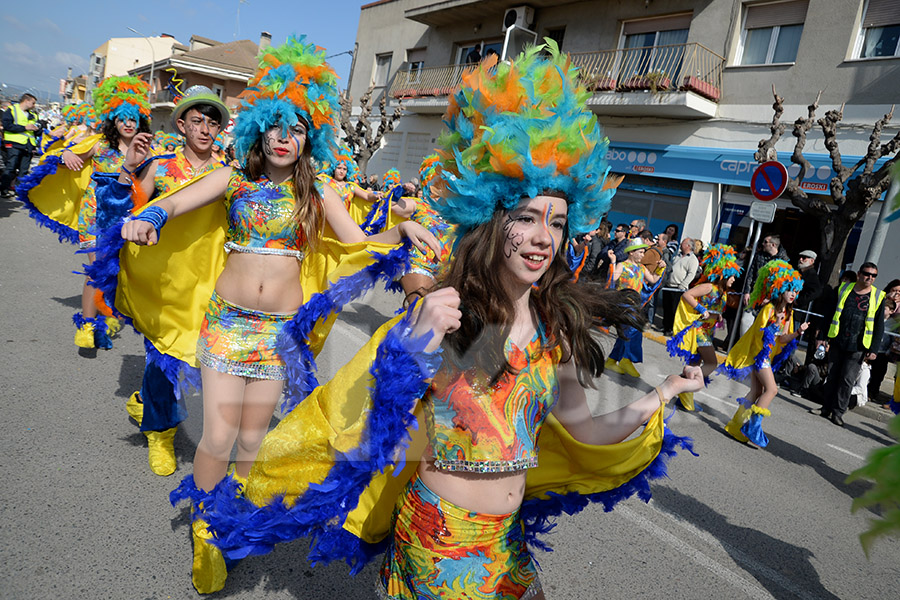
292,343
894,406
27,183
184,378
768,343
673,345
243,529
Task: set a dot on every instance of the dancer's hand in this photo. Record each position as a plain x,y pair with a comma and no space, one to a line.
72,160
438,313
420,237
690,380
138,151
139,232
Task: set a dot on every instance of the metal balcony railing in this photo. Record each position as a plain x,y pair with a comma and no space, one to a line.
163,95
691,67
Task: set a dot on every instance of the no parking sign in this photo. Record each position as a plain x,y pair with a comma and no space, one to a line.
768,180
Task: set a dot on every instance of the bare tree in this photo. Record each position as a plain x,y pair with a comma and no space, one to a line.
362,140
853,189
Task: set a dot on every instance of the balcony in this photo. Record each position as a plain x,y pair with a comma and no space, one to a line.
678,81
163,97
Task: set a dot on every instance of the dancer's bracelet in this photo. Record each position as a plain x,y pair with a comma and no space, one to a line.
156,216
662,399
700,309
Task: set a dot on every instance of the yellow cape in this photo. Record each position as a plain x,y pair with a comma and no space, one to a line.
58,196
745,351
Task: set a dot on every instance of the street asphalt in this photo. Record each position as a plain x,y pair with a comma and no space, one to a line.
83,516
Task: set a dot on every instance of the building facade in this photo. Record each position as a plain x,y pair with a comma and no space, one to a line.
117,56
682,88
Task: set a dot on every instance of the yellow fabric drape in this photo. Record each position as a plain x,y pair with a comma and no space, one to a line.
58,196
743,353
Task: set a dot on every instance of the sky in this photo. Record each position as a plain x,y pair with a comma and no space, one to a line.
38,42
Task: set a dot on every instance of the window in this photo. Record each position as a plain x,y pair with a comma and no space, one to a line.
654,46
771,33
880,30
218,90
465,54
557,35
382,69
415,62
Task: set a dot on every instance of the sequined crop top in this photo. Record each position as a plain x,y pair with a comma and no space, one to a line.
260,217
475,427
632,277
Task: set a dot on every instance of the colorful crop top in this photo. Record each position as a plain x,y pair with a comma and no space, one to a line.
260,217
632,277
476,427
174,169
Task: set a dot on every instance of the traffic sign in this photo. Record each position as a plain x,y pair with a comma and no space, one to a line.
768,180
764,212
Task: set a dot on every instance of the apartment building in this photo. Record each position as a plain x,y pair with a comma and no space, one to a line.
117,56
683,89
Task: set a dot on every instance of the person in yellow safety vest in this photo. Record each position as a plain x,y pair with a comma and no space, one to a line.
854,335
19,125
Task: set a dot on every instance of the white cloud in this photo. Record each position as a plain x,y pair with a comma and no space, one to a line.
68,59
14,22
50,25
21,53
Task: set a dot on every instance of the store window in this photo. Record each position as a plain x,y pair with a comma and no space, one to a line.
771,33
382,69
654,46
880,30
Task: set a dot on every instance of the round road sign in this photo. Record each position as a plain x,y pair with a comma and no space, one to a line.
768,180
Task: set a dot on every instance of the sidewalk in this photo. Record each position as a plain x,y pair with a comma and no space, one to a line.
873,411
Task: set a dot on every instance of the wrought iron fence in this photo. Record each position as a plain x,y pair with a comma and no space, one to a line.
691,67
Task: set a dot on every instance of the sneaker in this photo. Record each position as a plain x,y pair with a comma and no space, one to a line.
9,194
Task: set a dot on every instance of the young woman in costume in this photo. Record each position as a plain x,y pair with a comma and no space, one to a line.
122,108
503,396
630,274
276,215
763,349
700,312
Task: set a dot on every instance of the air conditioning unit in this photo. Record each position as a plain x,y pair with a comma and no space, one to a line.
520,16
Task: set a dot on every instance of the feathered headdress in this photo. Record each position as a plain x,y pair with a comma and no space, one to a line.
390,179
719,263
517,129
343,156
164,139
292,79
69,113
428,172
122,98
87,114
219,142
774,279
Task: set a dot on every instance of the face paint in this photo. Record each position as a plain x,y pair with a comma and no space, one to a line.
514,237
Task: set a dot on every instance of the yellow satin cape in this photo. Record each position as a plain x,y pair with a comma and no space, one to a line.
301,451
58,196
685,316
165,288
743,354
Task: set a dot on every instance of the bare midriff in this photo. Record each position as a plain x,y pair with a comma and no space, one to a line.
263,282
485,493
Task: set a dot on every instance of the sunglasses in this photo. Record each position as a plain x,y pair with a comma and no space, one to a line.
620,231
868,274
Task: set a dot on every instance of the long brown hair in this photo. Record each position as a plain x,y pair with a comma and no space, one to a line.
566,310
309,208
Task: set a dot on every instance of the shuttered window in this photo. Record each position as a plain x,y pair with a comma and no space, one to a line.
776,13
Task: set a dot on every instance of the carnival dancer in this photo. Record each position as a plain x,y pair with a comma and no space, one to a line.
509,380
275,215
122,108
630,274
700,312
199,115
763,349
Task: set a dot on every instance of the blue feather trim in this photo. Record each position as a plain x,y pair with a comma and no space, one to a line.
768,342
785,354
80,320
31,181
894,406
734,373
673,345
184,378
539,514
103,273
300,365
243,529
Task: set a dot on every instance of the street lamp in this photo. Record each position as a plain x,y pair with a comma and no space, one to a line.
152,61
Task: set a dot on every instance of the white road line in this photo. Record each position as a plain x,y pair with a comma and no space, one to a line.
730,403
845,451
750,588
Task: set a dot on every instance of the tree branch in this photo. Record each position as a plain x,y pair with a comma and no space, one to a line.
801,128
766,149
875,150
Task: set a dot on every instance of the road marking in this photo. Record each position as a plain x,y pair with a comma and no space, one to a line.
839,449
730,403
685,549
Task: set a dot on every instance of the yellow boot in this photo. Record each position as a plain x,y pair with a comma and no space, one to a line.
687,401
232,472
628,368
737,421
161,451
208,571
613,366
113,326
135,407
84,336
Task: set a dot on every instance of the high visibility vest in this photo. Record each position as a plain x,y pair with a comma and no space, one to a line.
876,297
22,118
